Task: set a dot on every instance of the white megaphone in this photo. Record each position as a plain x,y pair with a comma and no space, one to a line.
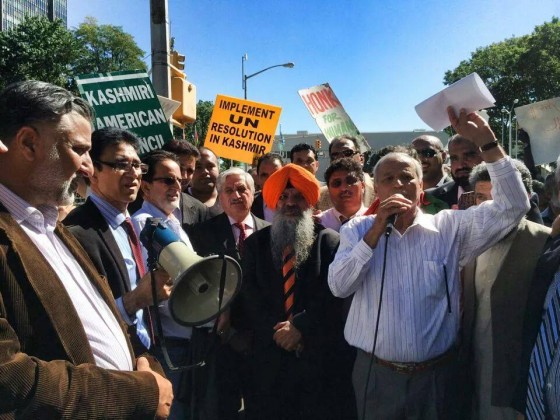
203,288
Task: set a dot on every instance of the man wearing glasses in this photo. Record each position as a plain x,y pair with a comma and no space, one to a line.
346,146
103,227
432,156
161,188
345,181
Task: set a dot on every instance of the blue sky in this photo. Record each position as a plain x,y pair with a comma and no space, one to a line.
380,58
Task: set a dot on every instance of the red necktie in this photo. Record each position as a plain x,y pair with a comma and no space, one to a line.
140,268
289,275
242,236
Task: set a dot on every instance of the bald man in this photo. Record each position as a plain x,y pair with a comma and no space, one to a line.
432,156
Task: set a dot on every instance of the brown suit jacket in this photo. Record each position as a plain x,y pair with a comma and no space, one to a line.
47,368
509,304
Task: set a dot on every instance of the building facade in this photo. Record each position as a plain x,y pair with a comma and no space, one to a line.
14,11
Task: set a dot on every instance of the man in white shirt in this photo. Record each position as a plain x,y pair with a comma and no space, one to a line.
63,348
408,367
345,181
161,188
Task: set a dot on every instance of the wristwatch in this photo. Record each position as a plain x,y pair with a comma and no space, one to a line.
489,146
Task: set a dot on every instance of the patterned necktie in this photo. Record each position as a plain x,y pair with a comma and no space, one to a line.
141,269
242,236
289,275
543,352
135,246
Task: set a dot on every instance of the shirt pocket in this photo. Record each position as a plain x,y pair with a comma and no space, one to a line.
434,280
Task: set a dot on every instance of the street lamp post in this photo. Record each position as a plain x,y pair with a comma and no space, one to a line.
244,77
509,123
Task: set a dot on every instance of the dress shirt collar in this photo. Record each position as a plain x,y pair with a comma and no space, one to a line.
41,219
112,215
338,214
426,221
248,221
149,208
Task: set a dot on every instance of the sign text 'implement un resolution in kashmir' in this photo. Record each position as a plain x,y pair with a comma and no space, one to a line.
127,100
329,114
240,129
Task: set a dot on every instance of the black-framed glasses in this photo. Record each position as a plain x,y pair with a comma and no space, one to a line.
349,179
343,154
124,166
168,180
427,153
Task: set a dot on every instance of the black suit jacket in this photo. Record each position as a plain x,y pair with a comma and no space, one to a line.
446,192
258,205
192,211
90,228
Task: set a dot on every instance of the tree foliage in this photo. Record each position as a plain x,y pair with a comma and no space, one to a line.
203,113
43,50
526,68
106,48
37,49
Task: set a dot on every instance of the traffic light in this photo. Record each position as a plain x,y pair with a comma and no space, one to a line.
182,91
317,144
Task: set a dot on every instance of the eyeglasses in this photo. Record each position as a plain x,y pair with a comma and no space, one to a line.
427,153
124,166
344,153
168,180
350,180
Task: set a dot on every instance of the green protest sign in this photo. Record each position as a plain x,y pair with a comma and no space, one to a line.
127,100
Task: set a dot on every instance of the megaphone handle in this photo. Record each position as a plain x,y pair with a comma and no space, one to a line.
159,329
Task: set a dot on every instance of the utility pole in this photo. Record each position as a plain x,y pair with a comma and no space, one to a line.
159,29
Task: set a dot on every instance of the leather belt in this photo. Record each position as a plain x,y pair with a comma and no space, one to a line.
412,368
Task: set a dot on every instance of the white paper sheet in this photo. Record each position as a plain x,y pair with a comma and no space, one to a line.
469,93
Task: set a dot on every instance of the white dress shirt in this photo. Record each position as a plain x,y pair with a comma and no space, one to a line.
333,219
104,333
169,326
415,325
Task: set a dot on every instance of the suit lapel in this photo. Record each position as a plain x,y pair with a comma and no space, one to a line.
47,286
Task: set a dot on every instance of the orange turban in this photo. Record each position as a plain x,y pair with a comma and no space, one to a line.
298,177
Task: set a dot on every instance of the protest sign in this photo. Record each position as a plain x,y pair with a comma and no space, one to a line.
541,120
127,100
329,114
241,130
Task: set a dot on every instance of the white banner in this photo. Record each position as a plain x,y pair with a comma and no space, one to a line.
541,121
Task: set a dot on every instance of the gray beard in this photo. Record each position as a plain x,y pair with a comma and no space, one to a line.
297,232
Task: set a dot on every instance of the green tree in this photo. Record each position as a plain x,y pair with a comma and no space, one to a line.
106,48
526,68
37,49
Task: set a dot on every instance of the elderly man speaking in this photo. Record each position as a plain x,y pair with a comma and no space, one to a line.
296,322
405,314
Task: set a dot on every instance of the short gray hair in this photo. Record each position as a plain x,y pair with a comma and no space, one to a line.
221,180
399,155
480,174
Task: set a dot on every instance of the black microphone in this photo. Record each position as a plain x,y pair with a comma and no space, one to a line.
391,220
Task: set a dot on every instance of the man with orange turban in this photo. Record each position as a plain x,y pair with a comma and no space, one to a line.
301,365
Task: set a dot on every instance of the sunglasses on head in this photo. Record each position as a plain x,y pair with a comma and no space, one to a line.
344,153
168,180
349,179
427,153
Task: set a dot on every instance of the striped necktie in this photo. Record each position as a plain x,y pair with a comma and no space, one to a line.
543,353
242,236
289,275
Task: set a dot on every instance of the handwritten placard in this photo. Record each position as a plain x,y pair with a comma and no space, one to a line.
541,120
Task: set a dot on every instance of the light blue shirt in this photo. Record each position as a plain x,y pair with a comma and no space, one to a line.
169,326
115,219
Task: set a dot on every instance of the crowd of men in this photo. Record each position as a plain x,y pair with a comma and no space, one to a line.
413,292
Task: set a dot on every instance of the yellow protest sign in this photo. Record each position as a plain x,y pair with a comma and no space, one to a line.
240,129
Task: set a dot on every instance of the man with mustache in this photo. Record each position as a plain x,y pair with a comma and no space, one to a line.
103,227
463,155
161,188
203,181
64,351
406,281
297,363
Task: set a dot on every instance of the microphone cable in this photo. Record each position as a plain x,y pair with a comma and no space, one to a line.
391,221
